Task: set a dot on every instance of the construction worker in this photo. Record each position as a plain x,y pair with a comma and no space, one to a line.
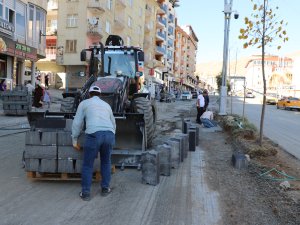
99,137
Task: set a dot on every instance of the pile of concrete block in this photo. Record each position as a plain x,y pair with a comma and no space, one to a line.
17,101
49,151
164,158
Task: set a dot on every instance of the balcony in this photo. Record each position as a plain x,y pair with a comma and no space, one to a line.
171,18
120,22
51,31
121,3
160,36
96,6
164,7
94,30
160,50
162,21
52,5
50,54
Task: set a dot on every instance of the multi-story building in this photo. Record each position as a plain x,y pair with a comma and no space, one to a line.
22,24
185,58
278,72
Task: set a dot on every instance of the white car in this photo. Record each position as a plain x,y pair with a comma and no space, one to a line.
186,95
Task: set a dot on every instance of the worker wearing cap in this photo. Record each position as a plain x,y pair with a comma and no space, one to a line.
200,106
99,136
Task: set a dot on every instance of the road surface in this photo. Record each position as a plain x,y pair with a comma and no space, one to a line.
281,126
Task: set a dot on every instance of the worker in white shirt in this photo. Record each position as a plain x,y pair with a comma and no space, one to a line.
99,136
200,106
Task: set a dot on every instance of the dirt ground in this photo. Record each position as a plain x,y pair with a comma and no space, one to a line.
245,197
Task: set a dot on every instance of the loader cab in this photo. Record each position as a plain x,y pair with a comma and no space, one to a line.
123,61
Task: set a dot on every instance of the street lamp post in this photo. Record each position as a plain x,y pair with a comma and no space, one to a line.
227,14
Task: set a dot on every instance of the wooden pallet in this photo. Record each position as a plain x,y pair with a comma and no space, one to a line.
33,175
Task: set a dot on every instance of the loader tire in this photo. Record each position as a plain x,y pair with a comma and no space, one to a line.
67,104
143,105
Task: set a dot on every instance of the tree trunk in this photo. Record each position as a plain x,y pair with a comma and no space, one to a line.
264,77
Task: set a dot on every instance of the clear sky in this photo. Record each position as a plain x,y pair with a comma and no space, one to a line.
207,20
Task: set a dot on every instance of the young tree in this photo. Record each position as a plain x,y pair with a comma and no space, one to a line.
262,30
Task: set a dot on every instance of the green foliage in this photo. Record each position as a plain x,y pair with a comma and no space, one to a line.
263,27
219,82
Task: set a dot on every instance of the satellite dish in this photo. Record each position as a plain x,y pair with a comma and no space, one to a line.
93,21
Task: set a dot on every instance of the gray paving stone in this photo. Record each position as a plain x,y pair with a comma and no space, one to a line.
164,159
68,152
150,167
32,164
40,152
48,166
40,138
175,153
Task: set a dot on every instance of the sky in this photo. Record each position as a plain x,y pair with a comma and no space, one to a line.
207,19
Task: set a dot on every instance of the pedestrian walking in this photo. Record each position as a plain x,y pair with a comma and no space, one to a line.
200,106
99,137
47,81
38,96
47,98
30,87
206,98
2,85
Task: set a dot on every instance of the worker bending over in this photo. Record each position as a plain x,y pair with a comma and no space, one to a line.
99,137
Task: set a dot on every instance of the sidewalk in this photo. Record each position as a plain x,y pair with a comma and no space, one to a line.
56,96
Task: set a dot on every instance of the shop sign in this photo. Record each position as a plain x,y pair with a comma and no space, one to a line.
7,46
10,47
25,51
6,27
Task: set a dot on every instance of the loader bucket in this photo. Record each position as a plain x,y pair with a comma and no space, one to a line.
130,132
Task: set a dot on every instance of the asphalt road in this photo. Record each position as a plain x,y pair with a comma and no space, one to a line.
281,126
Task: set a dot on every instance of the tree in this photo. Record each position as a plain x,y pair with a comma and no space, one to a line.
262,31
219,82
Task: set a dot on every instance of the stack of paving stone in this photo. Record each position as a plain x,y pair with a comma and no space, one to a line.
17,101
163,158
51,151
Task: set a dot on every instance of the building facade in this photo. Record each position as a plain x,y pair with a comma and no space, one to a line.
185,58
278,73
21,26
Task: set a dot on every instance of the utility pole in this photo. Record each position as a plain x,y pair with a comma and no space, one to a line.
227,14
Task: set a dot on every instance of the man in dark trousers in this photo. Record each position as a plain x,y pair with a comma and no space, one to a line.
99,137
200,106
206,98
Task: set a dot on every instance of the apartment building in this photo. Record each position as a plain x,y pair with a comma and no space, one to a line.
185,58
278,72
21,26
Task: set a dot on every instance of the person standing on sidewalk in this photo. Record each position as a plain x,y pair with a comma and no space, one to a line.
206,98
99,136
200,106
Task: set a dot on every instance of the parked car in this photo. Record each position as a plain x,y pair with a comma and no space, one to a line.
194,94
167,97
271,98
186,95
288,103
249,94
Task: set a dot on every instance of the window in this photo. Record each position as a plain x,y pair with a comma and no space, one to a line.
1,8
30,23
140,12
72,20
139,30
129,21
9,15
107,27
128,41
71,46
109,4
130,3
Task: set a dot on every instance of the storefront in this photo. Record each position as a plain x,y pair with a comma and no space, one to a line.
12,58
